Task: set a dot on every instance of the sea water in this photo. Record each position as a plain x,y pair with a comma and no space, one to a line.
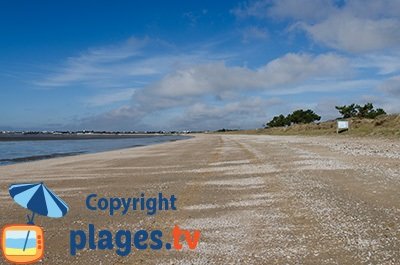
23,151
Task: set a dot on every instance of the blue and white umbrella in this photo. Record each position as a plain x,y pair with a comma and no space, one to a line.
39,199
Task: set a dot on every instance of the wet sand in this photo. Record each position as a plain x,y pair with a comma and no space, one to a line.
256,199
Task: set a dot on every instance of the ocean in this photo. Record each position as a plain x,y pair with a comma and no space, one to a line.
22,151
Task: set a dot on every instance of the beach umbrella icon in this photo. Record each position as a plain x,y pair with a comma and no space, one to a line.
38,198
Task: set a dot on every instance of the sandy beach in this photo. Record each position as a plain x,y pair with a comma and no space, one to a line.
255,199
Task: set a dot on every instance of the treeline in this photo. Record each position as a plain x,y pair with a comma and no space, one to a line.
308,116
298,116
366,111
227,130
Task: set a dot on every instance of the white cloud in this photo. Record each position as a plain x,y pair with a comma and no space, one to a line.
230,87
391,86
374,9
231,115
131,63
243,113
332,85
306,10
383,63
199,88
183,79
355,26
309,10
111,97
217,77
99,64
350,33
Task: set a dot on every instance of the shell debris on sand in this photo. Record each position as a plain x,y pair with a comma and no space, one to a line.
256,199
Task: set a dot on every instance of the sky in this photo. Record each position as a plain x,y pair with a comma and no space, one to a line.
192,65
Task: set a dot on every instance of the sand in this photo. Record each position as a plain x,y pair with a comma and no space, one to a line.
256,199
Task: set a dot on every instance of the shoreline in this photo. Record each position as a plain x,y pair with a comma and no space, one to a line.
54,137
32,158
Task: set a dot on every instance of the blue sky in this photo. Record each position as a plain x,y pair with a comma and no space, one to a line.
180,65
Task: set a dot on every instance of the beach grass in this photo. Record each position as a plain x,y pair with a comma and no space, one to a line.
385,126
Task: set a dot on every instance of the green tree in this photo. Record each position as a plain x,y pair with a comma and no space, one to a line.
301,116
375,113
366,111
278,121
298,116
347,111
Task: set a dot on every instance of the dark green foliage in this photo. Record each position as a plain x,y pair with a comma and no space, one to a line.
298,116
279,121
309,116
363,111
301,116
226,130
375,113
347,111
366,111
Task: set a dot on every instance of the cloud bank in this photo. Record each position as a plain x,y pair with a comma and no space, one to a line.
158,85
